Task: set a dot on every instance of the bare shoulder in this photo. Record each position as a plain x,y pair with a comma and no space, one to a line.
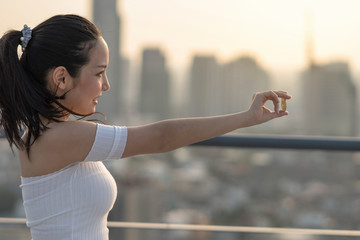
70,130
62,144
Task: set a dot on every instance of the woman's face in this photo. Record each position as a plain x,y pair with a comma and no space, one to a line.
91,81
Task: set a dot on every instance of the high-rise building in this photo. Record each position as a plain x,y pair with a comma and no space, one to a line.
106,17
219,89
241,79
155,85
205,86
330,100
329,95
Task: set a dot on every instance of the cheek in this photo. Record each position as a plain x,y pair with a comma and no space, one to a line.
97,88
92,87
94,90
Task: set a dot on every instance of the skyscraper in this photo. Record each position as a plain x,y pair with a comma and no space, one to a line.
220,89
205,86
155,85
105,16
242,78
329,95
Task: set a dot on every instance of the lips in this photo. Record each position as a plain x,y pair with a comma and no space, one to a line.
96,100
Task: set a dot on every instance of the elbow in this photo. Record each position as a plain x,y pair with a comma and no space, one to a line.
167,139
165,143
165,136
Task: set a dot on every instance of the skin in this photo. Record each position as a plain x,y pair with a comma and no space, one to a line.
70,141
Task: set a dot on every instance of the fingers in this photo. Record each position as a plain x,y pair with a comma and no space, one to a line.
282,94
277,94
272,96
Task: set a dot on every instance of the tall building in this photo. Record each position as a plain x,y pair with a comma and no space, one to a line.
155,85
329,94
205,86
218,89
330,100
105,16
241,79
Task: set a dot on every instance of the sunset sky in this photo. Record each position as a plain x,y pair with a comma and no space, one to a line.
272,31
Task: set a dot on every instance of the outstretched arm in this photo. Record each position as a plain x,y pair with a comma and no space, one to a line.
167,135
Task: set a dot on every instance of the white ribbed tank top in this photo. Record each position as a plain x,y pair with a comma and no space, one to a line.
74,202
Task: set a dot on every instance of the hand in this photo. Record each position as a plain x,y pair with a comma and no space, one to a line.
262,114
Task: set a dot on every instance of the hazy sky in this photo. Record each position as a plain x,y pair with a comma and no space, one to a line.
272,31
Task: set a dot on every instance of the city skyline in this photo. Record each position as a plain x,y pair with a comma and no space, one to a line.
179,86
273,32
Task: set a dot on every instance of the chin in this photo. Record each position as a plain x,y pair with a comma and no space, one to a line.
88,112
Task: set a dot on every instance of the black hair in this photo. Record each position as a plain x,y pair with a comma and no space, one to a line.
62,40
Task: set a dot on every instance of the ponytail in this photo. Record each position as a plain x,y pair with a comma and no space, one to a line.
21,98
63,40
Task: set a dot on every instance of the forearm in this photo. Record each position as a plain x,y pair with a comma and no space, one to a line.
176,133
171,134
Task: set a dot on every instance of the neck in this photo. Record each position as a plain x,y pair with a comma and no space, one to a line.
47,121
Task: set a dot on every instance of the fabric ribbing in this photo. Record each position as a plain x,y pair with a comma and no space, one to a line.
74,202
109,143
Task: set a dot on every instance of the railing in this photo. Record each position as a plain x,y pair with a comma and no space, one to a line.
282,142
278,142
212,228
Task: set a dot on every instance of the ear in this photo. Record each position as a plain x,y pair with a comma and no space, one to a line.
60,78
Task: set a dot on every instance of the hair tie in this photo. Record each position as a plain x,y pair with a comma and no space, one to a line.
26,36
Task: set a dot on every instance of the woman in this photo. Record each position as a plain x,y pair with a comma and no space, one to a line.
67,191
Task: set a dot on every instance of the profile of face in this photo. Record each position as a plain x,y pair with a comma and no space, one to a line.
82,92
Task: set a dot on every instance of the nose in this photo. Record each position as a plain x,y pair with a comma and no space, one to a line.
105,84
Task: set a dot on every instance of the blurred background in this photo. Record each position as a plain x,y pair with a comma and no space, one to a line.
198,58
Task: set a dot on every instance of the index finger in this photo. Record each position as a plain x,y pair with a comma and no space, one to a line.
274,97
282,94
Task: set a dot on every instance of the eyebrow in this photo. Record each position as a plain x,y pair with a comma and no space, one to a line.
101,66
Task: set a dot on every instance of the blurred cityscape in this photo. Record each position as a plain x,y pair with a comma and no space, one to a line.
223,186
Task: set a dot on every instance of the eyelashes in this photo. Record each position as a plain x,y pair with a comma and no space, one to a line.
100,74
